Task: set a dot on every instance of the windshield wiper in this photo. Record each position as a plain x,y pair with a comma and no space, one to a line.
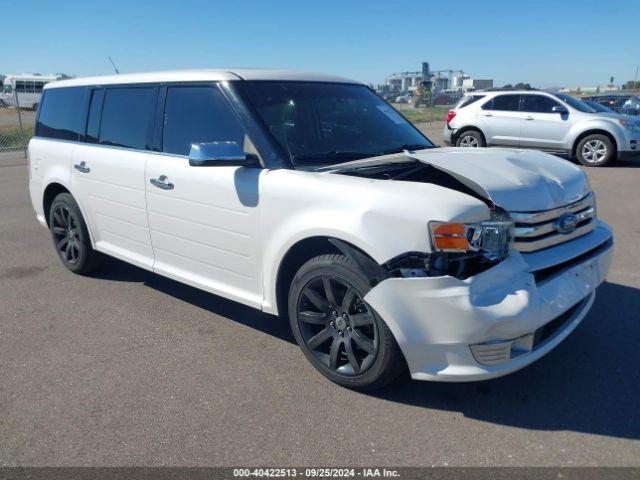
331,156
406,146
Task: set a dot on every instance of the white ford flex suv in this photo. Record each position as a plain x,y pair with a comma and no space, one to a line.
308,196
552,122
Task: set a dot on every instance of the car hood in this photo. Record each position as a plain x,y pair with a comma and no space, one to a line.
614,116
516,180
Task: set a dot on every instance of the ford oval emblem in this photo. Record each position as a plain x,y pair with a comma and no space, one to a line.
567,223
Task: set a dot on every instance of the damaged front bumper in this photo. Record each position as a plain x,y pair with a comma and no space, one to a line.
500,320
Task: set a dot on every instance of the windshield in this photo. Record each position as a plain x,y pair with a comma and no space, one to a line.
597,107
319,124
574,102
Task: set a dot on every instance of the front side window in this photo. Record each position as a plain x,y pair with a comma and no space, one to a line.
538,104
319,124
61,113
198,115
127,115
507,103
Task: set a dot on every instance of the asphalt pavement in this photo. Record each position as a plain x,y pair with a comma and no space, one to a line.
125,367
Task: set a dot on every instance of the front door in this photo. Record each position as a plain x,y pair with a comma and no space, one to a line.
541,127
204,220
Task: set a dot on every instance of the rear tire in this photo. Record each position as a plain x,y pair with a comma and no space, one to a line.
470,139
339,333
595,150
70,235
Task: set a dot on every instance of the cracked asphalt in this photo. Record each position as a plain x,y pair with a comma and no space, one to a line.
128,368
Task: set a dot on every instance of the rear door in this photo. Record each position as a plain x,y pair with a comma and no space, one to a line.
499,120
204,220
108,170
541,127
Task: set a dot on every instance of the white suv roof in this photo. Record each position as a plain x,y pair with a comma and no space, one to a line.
514,92
202,76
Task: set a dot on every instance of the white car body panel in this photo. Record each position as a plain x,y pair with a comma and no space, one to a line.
500,127
297,205
113,196
206,231
519,180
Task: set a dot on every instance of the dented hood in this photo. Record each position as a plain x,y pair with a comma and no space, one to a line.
516,180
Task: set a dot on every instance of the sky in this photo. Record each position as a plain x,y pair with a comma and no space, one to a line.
547,44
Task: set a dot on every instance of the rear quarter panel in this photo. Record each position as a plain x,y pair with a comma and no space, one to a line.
50,162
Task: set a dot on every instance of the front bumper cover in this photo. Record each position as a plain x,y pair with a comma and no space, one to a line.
436,320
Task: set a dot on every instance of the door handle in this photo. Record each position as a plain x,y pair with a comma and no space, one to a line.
162,182
82,167
488,114
528,117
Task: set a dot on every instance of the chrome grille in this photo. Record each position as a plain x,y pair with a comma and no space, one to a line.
537,230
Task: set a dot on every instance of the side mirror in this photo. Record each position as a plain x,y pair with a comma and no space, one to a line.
220,154
559,109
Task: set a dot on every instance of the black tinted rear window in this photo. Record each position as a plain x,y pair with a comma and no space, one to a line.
127,115
61,114
508,103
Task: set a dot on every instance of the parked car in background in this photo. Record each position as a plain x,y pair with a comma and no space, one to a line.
405,98
625,104
24,90
308,196
598,107
553,122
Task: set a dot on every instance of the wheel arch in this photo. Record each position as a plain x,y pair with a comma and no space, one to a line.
306,249
468,128
52,191
593,131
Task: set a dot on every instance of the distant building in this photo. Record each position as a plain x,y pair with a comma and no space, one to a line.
588,89
441,80
471,84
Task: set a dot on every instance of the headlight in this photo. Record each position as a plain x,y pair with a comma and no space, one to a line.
632,126
490,239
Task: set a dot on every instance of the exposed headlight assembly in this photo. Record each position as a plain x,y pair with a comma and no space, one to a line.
489,239
457,249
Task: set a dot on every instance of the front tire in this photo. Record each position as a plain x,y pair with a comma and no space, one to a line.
595,151
70,235
470,139
339,333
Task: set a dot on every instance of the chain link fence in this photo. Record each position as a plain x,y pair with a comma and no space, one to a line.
17,126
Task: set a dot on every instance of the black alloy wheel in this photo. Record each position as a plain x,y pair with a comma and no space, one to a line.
337,326
66,234
70,235
342,336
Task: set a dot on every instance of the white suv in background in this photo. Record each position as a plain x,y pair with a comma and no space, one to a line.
308,196
552,122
